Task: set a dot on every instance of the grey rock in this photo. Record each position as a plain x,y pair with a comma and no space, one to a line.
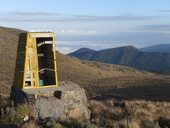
75,100
49,108
68,101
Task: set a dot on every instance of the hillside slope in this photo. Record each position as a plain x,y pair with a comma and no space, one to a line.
85,53
109,80
162,48
95,77
69,68
130,56
8,51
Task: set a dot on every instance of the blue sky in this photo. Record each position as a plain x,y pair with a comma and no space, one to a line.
96,24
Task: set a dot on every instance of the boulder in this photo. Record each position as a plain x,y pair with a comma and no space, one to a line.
48,108
68,101
75,100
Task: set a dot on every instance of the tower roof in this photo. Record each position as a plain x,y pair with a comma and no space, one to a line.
41,34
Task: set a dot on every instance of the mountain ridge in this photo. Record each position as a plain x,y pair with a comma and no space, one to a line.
129,56
85,51
162,48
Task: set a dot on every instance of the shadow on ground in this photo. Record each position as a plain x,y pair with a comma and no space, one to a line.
8,126
20,61
150,93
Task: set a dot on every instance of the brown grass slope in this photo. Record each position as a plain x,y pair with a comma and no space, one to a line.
96,77
82,72
109,80
8,51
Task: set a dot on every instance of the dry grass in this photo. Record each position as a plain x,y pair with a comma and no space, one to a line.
134,124
149,110
135,114
23,110
70,68
8,51
101,79
31,124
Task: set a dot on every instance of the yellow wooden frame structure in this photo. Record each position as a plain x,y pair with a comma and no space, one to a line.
31,44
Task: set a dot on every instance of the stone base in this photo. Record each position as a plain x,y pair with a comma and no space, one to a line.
67,101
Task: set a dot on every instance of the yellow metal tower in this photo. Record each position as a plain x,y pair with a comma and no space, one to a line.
40,70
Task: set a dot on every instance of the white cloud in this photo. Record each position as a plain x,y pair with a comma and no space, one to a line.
77,32
48,17
34,13
70,46
65,50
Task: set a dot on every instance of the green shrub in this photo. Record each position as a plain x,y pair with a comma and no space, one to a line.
58,125
15,115
22,111
8,115
149,124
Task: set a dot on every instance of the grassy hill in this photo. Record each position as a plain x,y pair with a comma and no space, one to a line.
107,79
8,51
97,78
70,68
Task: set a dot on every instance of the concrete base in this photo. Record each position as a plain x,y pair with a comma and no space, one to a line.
67,101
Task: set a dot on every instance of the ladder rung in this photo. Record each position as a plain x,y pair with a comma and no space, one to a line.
40,55
42,70
40,44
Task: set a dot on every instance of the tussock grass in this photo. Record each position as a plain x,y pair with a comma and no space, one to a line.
135,114
15,114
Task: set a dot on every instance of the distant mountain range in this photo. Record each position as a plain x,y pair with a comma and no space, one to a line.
128,56
163,48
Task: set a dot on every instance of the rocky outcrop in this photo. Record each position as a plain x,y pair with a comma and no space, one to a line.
68,101
46,107
74,100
